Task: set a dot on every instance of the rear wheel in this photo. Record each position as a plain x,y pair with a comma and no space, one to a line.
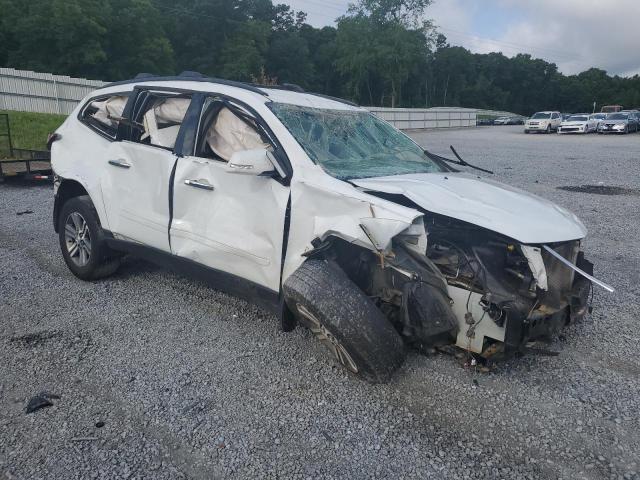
344,320
82,241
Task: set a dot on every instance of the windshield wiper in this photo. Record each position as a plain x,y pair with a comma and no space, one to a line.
460,161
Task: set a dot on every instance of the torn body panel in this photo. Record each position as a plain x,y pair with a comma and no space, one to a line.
492,205
441,280
320,212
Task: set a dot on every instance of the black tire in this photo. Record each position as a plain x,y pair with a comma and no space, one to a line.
548,130
353,323
101,261
526,131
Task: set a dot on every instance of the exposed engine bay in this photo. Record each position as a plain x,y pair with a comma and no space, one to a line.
468,286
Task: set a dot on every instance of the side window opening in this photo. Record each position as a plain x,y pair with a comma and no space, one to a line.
157,118
225,129
104,114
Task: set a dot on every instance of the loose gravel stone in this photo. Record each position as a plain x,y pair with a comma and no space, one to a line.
193,383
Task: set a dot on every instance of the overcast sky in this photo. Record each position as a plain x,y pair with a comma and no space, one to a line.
574,34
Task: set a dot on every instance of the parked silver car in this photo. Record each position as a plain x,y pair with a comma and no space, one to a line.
620,122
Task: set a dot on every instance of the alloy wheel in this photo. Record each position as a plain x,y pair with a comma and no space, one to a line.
327,339
77,239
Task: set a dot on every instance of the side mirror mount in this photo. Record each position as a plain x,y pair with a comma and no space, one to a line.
257,161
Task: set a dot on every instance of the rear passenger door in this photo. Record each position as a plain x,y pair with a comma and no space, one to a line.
136,183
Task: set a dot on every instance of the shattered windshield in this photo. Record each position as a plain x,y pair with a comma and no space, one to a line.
352,144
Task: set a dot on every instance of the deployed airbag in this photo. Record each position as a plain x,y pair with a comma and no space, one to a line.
108,109
171,112
230,134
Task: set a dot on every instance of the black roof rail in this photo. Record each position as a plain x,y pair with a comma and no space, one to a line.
292,87
191,74
335,99
190,77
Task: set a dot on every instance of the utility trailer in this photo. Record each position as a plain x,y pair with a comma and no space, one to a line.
20,162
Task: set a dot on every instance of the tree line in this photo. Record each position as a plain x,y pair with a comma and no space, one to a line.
379,53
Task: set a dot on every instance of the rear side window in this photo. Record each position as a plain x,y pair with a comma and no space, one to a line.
157,117
104,114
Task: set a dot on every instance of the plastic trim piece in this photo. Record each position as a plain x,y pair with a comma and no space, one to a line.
591,278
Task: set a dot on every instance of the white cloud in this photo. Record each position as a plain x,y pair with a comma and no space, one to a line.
456,15
574,34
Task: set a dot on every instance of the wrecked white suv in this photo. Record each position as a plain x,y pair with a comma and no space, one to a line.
318,211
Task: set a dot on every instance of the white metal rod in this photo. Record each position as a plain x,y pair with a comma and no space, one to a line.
608,288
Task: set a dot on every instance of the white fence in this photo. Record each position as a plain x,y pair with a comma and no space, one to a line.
426,118
27,91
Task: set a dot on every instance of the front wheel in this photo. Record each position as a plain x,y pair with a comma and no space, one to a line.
548,130
344,320
82,241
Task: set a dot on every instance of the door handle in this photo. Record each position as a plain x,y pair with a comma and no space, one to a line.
119,163
198,184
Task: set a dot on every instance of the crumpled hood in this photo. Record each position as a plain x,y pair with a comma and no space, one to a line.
615,122
510,211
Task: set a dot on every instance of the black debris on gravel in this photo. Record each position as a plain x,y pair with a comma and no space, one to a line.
40,401
35,339
601,190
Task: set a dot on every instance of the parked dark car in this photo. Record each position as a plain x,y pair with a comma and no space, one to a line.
515,121
484,121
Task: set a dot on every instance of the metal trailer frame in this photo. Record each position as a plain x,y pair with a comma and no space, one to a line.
32,160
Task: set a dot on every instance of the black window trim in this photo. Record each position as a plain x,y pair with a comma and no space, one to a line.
132,107
95,125
230,105
278,150
181,148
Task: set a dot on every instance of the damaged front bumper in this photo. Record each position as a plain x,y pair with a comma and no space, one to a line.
504,321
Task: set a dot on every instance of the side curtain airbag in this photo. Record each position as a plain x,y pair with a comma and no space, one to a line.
230,134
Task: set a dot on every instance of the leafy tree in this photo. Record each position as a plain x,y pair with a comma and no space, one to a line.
288,58
355,58
137,41
408,13
243,56
63,36
383,52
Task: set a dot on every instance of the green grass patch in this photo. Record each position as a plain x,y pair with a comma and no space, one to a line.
485,116
29,130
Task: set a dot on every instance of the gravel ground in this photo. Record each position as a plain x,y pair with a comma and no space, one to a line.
192,383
